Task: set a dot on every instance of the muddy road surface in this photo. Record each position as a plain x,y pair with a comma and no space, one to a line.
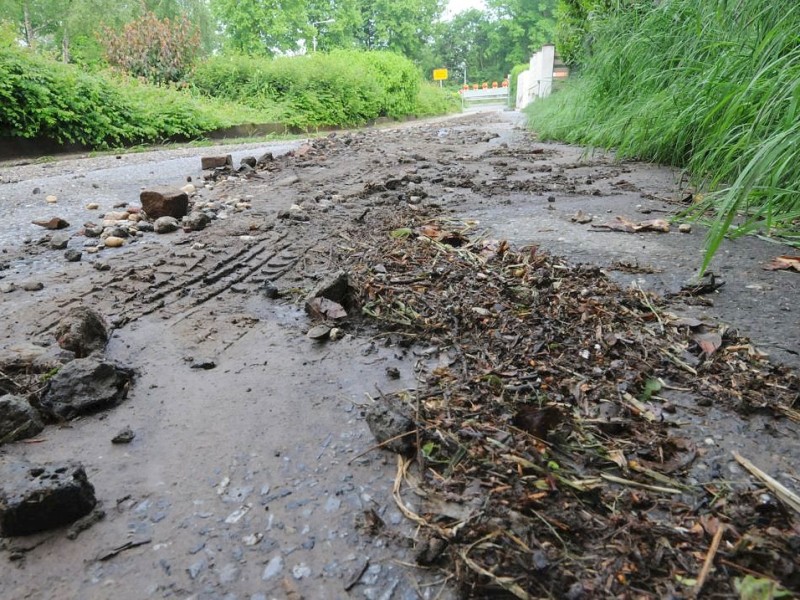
252,473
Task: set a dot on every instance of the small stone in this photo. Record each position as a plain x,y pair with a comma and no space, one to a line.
116,216
32,286
18,419
250,161
205,364
36,498
208,163
273,568
85,385
197,221
164,202
124,436
113,241
685,228
189,189
91,230
301,571
52,223
390,423
92,206
270,290
551,198
36,190
81,331
51,199
166,225
59,241
320,332
7,287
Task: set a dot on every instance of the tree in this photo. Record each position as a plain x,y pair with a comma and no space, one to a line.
261,27
403,26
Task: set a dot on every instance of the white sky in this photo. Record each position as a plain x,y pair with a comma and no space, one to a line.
457,6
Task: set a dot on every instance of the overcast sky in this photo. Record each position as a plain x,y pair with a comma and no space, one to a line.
456,6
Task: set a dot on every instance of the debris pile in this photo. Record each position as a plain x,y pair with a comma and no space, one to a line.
550,460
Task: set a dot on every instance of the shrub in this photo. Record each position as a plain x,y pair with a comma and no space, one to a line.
44,98
340,88
159,51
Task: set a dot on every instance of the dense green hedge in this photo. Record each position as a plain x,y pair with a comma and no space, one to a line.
712,86
339,88
43,98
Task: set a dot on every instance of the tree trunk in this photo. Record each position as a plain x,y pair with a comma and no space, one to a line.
65,45
29,35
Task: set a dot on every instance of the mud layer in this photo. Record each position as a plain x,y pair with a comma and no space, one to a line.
251,477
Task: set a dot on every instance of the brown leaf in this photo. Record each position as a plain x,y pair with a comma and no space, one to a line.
537,421
784,263
708,342
326,309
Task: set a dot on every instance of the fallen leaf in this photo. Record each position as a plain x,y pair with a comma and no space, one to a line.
326,309
627,226
708,342
784,263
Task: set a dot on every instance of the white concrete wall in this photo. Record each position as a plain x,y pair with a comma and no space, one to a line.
537,81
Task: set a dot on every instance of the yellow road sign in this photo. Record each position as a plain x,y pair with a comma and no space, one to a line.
439,74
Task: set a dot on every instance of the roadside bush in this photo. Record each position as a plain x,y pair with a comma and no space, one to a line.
44,98
432,101
160,51
712,86
340,88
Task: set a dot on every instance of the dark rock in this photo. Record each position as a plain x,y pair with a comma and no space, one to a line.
250,161
205,364
124,436
166,225
387,421
145,226
40,497
165,202
271,291
197,221
18,419
119,232
215,162
53,223
85,385
335,288
82,331
32,286
265,158
73,255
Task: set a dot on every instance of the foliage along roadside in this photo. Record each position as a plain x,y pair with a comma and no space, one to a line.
40,98
710,86
344,87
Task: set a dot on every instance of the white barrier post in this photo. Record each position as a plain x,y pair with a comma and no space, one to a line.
547,58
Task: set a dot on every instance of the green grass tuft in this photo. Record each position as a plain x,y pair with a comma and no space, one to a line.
711,86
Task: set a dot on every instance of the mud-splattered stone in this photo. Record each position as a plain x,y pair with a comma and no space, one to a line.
124,436
166,225
85,385
215,162
59,241
32,286
40,497
390,423
164,202
73,255
336,288
52,223
18,419
82,331
197,221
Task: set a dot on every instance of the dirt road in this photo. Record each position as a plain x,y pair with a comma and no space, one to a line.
250,477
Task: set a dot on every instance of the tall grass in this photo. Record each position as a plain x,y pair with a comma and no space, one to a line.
713,86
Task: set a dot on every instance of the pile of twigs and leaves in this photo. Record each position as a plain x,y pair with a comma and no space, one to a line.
545,465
